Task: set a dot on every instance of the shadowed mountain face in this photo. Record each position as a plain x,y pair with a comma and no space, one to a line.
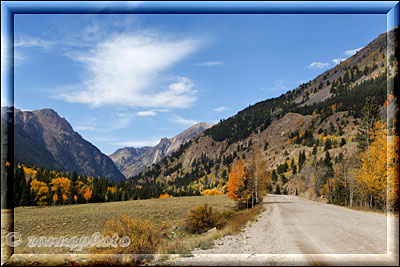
43,138
131,161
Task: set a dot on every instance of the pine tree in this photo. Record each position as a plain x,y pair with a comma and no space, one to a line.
293,166
370,114
274,176
73,189
19,184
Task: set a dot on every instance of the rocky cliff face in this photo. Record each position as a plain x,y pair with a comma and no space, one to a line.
131,161
43,138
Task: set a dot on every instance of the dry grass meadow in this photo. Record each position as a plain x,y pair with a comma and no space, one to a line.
87,219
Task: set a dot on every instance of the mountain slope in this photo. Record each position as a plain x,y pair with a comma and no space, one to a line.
131,161
45,139
323,113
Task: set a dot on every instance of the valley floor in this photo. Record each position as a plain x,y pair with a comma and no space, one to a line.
86,219
296,231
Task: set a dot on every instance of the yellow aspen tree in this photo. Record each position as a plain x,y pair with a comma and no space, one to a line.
372,176
62,183
41,191
393,170
257,176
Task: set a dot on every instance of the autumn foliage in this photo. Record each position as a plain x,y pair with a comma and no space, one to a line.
165,196
88,194
211,192
378,178
145,237
41,192
202,219
236,185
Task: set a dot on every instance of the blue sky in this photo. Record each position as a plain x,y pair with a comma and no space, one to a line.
129,80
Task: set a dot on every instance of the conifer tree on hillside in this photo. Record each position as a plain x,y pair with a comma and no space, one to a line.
370,115
73,189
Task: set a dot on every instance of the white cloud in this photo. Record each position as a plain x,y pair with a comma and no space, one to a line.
144,113
147,113
136,143
318,65
116,121
180,120
19,57
126,70
208,63
103,139
85,128
27,41
338,60
88,124
352,51
220,109
278,86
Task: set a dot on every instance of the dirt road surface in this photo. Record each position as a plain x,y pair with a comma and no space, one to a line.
296,231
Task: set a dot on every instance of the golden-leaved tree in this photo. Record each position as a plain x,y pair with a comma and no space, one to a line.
257,177
379,169
236,186
88,194
60,186
41,191
393,170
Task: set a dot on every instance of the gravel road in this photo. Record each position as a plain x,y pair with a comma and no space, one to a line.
296,231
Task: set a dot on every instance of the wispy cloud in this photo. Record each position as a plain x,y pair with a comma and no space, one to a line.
137,143
104,139
127,70
114,122
208,63
278,86
16,59
220,109
338,60
27,41
180,120
19,58
318,65
88,124
147,113
352,51
85,128
152,112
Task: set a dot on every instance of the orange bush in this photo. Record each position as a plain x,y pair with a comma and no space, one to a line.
211,192
165,196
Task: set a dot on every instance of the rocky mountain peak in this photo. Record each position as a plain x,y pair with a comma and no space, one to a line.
45,139
131,163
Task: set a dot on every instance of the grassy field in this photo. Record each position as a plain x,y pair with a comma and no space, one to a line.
86,219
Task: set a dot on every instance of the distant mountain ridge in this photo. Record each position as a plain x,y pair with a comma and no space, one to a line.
43,138
131,161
